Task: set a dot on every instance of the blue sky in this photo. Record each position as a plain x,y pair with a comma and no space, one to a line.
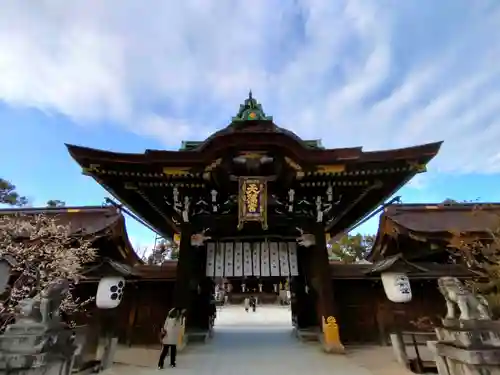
127,76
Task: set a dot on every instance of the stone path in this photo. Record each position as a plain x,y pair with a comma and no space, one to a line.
253,343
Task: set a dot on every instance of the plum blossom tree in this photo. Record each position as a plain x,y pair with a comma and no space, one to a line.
481,253
47,249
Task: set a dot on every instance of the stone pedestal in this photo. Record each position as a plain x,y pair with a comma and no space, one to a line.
399,348
467,347
32,348
109,352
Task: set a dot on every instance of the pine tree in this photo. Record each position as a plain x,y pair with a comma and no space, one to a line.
351,248
8,194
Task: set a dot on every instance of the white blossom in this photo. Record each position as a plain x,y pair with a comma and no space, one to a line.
56,251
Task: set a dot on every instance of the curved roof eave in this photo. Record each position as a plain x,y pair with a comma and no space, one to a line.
425,152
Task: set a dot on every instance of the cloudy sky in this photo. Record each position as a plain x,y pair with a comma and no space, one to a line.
128,75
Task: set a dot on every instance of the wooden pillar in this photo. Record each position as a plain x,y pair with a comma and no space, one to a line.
184,277
322,283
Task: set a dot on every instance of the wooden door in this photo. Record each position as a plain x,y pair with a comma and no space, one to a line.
357,310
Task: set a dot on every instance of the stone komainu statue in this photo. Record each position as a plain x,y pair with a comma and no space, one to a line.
456,294
45,307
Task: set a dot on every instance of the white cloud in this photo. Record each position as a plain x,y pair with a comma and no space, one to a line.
419,182
379,74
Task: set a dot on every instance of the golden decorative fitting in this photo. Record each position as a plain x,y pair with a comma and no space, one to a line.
213,165
252,155
180,171
91,168
334,168
293,164
419,168
130,186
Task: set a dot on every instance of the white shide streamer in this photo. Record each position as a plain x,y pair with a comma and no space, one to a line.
229,260
238,259
292,256
274,259
210,259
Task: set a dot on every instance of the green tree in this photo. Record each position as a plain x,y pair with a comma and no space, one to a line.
55,203
174,251
351,248
164,250
8,194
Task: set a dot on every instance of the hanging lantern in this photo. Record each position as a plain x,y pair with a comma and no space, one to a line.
110,292
396,286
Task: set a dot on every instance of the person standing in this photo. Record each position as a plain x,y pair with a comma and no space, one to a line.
253,303
169,337
247,304
213,312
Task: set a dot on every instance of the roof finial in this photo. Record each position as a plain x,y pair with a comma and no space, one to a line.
251,110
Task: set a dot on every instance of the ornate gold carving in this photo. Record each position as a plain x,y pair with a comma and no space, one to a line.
252,200
252,194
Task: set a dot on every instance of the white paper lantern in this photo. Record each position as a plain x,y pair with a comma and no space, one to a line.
396,286
110,292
